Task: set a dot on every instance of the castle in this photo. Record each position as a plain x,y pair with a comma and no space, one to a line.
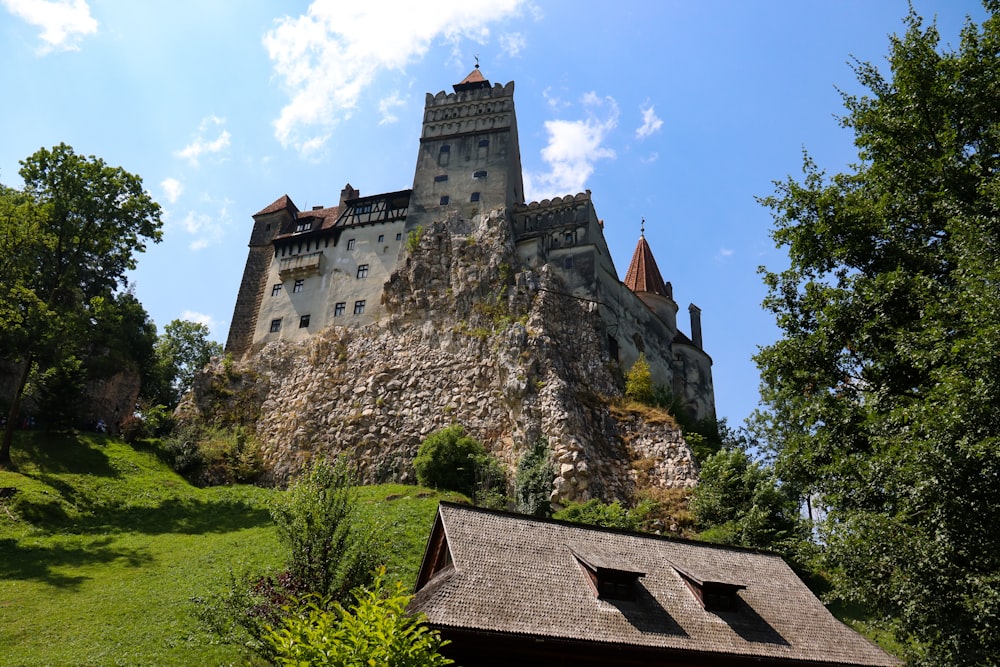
327,267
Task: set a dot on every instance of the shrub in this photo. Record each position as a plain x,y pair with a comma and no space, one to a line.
133,429
330,550
599,513
213,455
376,630
449,459
639,381
533,480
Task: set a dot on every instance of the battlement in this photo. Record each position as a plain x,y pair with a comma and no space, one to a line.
444,98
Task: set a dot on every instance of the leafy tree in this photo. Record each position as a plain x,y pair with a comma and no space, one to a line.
880,398
69,238
183,349
375,630
449,459
533,480
738,501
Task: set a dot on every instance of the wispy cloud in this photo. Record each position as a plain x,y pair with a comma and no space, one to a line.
650,122
63,22
385,107
573,148
172,189
724,254
200,318
327,57
512,43
202,145
207,228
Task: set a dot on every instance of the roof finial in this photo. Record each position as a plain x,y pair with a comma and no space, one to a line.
642,228
477,61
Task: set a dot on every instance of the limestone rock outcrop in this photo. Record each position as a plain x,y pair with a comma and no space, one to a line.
470,336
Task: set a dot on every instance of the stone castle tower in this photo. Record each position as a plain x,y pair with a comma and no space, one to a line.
307,271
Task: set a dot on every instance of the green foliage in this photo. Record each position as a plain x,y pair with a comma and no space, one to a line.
183,349
133,429
413,239
214,455
68,241
738,501
375,630
330,550
596,512
450,459
880,397
533,480
639,381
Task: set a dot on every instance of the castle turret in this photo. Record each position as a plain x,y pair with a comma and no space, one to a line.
267,223
643,277
469,160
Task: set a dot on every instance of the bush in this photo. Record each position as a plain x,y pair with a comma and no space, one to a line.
133,429
599,513
639,381
533,481
330,550
449,459
376,630
214,455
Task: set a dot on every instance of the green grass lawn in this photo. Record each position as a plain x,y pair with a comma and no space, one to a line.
103,547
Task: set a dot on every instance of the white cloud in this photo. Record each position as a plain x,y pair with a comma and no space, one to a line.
200,318
650,122
207,228
385,107
574,146
724,254
650,159
201,145
327,57
63,22
172,189
512,43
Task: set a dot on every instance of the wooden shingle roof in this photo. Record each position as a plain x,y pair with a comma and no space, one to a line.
500,574
643,275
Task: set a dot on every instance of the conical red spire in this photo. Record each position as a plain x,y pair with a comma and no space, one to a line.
643,274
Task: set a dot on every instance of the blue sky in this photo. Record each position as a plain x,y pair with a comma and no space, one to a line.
679,112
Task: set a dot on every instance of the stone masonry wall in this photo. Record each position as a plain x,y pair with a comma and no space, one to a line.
468,337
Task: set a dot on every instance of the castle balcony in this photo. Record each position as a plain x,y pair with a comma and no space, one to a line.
300,266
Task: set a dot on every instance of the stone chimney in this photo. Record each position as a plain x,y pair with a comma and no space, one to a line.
695,325
348,193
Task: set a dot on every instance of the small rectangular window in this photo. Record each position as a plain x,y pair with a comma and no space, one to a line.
444,200
568,262
303,226
276,289
276,325
362,271
381,238
568,238
399,236
299,285
479,174
359,307
441,178
474,197
338,310
304,322
484,142
446,148
350,244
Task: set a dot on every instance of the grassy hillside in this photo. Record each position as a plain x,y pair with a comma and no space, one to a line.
103,546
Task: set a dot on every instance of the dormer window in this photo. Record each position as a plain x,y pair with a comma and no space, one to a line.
304,226
608,581
712,595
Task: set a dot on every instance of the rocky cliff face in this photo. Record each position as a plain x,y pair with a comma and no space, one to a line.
469,337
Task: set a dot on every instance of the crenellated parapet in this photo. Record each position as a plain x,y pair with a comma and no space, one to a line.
471,111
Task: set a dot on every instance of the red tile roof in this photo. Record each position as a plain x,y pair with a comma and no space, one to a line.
643,274
279,204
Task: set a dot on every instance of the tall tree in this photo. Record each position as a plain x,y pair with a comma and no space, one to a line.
183,349
881,395
83,223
